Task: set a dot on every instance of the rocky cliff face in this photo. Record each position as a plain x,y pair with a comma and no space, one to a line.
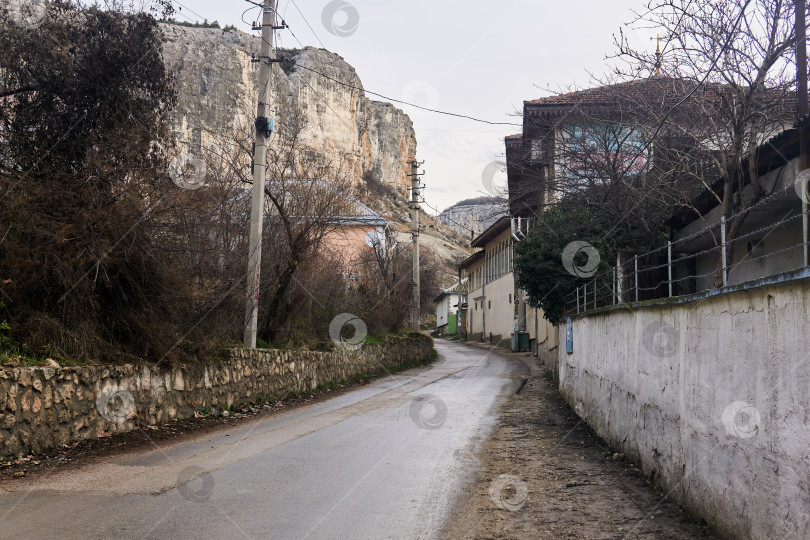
473,215
217,87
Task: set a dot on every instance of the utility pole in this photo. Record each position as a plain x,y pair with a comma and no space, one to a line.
415,235
264,127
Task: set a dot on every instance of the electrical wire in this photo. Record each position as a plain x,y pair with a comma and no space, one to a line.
310,26
361,89
343,121
437,111
243,16
190,10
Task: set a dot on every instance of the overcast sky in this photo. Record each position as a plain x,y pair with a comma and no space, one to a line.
473,57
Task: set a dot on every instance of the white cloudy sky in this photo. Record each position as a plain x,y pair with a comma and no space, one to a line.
474,57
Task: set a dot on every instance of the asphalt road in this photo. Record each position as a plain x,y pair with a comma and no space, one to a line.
389,460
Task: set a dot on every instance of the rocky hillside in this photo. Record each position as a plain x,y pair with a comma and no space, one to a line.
217,83
473,215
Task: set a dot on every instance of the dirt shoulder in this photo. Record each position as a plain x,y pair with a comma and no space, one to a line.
546,475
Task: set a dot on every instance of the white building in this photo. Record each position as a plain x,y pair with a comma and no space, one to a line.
496,308
448,304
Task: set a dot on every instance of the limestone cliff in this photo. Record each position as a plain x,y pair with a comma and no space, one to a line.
217,84
473,215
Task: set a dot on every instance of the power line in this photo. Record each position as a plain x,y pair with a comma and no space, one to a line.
190,10
448,218
314,90
439,212
310,26
360,89
456,115
243,16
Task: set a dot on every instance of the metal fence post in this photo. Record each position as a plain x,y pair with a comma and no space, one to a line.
669,265
635,274
584,297
805,225
614,285
577,299
594,293
723,254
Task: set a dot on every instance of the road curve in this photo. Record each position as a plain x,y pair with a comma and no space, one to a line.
389,460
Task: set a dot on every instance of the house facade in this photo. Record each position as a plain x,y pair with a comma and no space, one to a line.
560,133
578,138
497,311
449,304
353,237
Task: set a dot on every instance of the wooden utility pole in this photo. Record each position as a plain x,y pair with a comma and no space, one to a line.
415,235
263,129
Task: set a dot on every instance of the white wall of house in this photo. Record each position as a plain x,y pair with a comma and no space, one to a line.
448,305
491,299
710,396
442,310
499,313
475,322
498,309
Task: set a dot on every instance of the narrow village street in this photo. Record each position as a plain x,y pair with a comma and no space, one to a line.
311,270
388,460
394,459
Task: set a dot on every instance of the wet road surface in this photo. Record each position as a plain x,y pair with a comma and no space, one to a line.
388,460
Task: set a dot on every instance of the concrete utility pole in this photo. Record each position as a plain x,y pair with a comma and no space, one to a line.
263,130
415,235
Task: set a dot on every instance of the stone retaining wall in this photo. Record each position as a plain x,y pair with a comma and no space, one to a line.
45,407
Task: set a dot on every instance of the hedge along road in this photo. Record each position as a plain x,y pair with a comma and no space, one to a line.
389,460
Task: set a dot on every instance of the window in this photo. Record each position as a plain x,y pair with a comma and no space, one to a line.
537,149
476,306
489,304
510,298
620,145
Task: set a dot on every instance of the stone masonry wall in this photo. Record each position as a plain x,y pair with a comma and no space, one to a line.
41,408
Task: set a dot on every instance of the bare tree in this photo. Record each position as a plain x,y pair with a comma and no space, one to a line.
737,57
307,199
383,293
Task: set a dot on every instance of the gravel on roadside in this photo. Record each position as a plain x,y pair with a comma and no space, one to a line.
546,474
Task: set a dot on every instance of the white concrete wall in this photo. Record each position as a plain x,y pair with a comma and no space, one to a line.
546,335
474,320
442,309
499,312
711,396
454,303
